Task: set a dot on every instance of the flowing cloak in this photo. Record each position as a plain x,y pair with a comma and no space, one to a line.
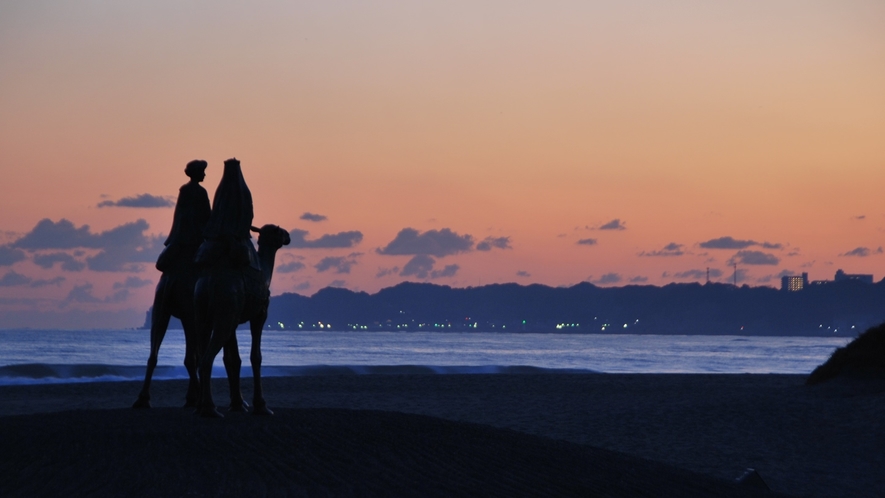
191,214
232,207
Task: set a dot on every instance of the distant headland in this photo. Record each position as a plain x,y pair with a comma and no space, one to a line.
842,308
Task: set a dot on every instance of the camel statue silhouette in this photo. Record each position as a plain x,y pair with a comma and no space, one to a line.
174,295
226,295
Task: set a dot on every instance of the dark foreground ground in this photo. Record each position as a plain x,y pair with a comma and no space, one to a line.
427,435
316,452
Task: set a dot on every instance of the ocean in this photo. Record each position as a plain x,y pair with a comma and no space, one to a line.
58,356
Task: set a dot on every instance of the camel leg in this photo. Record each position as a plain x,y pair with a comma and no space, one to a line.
232,364
191,361
207,405
224,325
202,321
159,323
255,357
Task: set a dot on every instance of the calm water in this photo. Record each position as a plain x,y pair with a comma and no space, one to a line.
74,356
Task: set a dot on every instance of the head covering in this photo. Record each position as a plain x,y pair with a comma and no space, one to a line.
195,166
232,206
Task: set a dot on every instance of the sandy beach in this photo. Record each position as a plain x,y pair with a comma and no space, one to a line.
447,435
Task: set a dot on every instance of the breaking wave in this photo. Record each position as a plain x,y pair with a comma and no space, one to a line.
42,373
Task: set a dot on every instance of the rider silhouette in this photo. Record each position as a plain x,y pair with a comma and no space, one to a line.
227,232
192,212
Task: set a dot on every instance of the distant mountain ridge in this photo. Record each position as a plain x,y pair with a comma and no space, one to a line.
585,308
836,309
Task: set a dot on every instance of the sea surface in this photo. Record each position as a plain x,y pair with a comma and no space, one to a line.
53,356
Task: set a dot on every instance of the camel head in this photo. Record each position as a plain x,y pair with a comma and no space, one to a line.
272,237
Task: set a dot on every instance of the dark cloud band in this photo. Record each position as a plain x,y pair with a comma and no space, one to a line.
140,201
438,243
327,241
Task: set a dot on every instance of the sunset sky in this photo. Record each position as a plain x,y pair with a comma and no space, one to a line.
460,143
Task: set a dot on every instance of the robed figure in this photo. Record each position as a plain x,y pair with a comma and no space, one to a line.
227,233
192,212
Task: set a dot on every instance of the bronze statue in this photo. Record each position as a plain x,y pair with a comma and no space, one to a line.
174,295
234,287
175,290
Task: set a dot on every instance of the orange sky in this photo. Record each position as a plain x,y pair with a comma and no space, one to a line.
538,122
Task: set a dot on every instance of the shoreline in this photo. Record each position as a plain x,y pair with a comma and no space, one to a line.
809,441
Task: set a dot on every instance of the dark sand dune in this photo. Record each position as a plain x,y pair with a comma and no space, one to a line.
861,359
818,441
315,452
